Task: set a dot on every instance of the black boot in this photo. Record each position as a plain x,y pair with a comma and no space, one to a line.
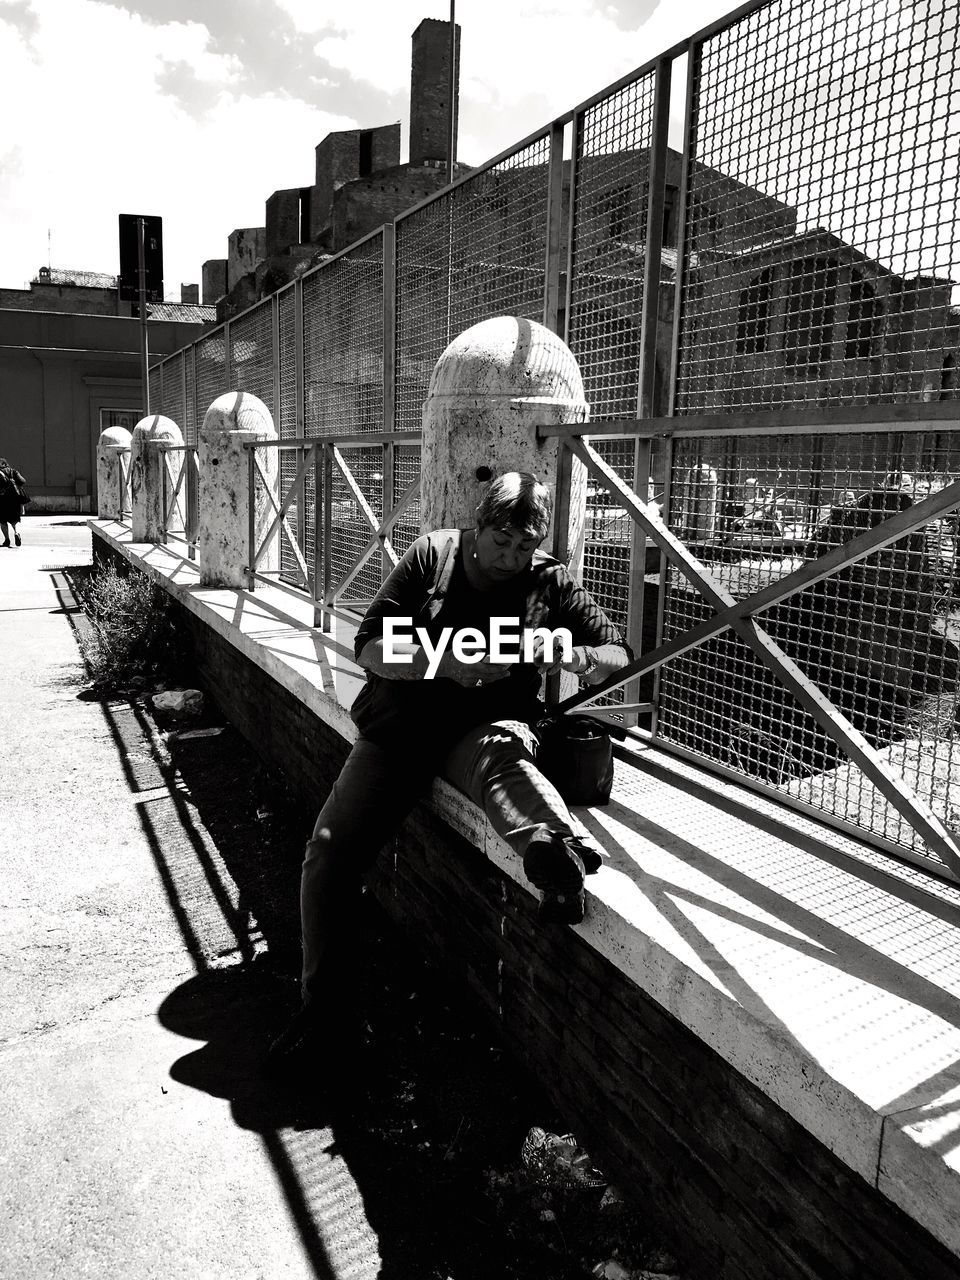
554,865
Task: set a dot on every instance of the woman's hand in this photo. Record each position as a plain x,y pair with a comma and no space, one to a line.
471,674
592,664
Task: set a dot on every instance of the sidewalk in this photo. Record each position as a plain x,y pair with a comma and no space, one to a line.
137,1140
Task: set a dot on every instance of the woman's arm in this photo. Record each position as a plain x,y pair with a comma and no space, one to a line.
593,663
372,658
598,650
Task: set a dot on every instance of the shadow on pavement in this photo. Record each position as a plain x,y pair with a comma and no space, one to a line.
392,1181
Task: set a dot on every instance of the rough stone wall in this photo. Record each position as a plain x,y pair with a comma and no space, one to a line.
742,1190
283,220
385,146
360,207
214,280
246,246
430,92
337,162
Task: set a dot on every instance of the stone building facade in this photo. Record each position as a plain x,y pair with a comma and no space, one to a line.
69,367
359,183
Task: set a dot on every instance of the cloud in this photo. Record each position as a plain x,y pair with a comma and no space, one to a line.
166,127
19,15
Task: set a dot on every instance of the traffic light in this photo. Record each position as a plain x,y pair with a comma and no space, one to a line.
129,281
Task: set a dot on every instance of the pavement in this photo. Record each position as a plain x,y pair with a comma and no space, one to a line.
137,1139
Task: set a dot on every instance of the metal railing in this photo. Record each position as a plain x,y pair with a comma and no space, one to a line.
328,578
805,634
126,505
180,496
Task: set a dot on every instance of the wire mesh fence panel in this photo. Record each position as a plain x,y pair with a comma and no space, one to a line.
609,229
343,342
210,361
251,355
350,531
190,396
821,244
171,394
612,139
423,303
612,545
498,222
476,252
879,637
287,337
155,382
287,423
406,469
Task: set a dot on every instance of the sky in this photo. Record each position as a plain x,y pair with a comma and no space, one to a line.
197,110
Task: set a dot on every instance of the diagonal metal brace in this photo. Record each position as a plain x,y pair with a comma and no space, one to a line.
279,519
850,740
386,525
362,502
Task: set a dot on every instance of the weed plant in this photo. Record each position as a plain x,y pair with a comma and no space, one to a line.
131,640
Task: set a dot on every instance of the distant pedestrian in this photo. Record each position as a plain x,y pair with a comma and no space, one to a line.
13,498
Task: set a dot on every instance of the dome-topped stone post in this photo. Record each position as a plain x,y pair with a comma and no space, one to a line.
113,443
232,421
490,389
146,485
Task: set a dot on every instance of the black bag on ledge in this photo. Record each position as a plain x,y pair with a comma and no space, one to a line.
576,754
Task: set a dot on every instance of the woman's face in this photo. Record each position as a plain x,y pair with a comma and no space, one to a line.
500,554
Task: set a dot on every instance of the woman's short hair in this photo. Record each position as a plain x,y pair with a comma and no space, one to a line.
516,500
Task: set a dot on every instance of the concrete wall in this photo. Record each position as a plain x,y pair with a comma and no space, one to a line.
64,297
57,372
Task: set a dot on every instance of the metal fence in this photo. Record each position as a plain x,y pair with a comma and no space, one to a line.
795,250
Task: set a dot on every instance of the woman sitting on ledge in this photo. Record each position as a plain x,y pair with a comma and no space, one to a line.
423,713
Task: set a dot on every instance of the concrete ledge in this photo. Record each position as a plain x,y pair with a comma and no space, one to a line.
825,974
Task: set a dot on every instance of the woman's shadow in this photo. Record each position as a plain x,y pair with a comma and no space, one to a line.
388,1205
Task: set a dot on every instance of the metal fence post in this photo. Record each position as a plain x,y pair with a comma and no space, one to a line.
163,492
275,352
552,272
389,359
689,142
577,127
327,508
299,407
389,374
251,521
227,356
647,377
320,617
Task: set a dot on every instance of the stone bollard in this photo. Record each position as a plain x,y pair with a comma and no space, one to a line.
490,389
114,442
233,420
146,485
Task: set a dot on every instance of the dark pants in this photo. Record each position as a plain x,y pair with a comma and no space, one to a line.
13,521
493,764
